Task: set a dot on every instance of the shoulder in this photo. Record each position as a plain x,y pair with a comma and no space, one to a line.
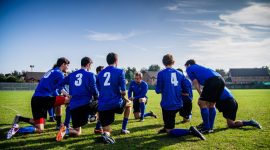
144,83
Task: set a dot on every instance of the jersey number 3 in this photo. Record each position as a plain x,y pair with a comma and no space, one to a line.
174,79
107,75
78,82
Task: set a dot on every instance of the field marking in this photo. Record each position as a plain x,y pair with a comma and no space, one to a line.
11,109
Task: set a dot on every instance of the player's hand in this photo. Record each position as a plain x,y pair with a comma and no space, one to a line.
131,98
128,102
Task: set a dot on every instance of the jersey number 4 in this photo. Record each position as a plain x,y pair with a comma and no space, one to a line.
174,79
107,75
78,82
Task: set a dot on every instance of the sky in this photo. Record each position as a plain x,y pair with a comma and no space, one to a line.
219,34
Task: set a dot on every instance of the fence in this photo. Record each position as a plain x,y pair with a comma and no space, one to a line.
17,86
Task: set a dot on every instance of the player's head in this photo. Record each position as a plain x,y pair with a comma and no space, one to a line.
86,63
62,63
99,68
179,69
112,59
168,60
190,62
138,77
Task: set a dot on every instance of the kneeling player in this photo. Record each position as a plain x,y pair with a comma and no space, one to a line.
42,100
82,87
139,89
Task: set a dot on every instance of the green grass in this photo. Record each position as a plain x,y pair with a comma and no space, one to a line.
252,104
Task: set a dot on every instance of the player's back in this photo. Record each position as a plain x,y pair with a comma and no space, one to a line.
169,83
200,73
49,83
188,85
110,82
82,86
226,94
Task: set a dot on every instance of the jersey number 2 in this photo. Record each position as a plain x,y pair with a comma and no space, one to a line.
174,79
107,75
78,82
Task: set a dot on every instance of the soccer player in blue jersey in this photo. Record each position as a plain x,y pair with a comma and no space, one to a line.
82,88
43,99
213,86
137,93
170,83
228,106
112,90
187,97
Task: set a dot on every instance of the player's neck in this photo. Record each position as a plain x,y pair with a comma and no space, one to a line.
84,68
169,66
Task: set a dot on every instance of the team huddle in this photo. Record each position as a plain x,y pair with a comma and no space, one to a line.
103,95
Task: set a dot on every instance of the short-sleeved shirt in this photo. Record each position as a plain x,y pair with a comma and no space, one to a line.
188,84
82,87
170,83
138,90
110,82
200,73
49,83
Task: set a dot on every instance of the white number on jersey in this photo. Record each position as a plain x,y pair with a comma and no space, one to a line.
174,79
48,74
78,82
107,75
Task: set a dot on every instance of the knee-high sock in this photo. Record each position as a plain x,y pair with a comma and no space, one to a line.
50,111
58,120
179,132
26,130
24,119
98,125
68,117
205,117
212,116
124,124
147,114
142,109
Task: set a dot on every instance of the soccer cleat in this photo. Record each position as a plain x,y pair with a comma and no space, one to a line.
98,131
200,126
153,115
124,131
196,133
255,124
51,119
163,130
16,119
205,131
141,120
93,118
60,135
15,128
185,120
107,138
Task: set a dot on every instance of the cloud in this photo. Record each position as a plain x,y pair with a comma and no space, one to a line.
98,36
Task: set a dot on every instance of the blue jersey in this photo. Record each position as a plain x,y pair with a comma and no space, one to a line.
138,90
226,94
200,73
110,82
188,85
82,87
170,83
49,83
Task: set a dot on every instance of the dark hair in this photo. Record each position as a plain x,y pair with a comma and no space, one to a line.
190,62
111,58
139,74
99,68
54,66
85,61
179,69
167,59
60,61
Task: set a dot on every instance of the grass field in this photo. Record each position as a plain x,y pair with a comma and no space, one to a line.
252,104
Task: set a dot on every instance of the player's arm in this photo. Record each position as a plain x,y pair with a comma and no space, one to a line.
130,90
93,87
62,81
158,88
197,86
143,92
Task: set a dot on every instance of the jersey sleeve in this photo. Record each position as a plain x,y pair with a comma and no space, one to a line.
143,92
93,86
158,88
122,81
190,74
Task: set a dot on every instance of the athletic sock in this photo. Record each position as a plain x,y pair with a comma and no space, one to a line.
28,129
147,114
98,125
205,117
68,117
124,124
179,132
142,109
58,120
23,119
50,111
247,123
212,116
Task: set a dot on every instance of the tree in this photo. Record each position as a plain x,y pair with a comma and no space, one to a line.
11,79
221,72
2,78
130,72
154,67
143,70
